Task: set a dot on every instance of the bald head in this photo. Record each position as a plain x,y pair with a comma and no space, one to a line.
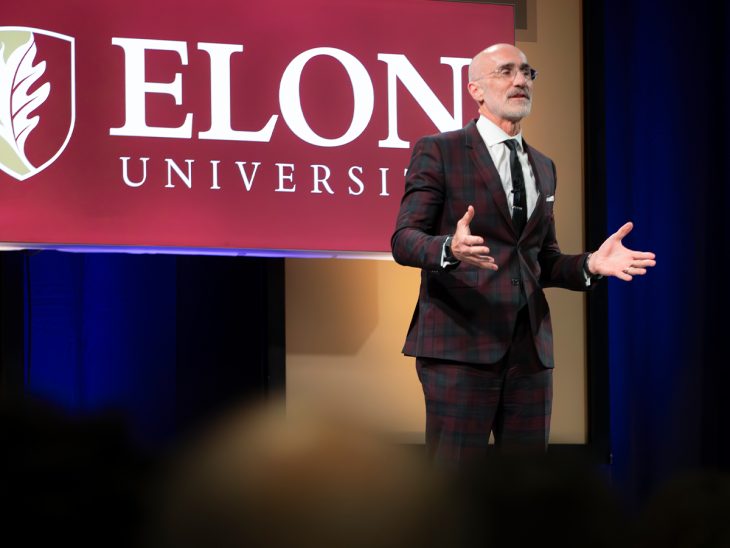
488,59
500,81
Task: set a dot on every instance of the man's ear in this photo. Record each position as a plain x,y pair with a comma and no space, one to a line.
476,92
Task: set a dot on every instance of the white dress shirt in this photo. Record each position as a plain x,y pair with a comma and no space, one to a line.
494,137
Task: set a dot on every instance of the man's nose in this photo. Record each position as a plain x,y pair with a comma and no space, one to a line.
520,79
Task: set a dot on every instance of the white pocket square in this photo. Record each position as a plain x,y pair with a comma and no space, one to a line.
550,198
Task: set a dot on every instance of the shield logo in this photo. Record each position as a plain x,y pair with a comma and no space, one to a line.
37,98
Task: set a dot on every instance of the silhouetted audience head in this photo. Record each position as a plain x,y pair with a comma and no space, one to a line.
689,511
516,500
261,480
68,480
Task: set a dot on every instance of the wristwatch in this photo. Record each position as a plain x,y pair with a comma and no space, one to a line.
585,268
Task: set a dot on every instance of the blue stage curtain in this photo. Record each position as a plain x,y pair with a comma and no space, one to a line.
666,88
102,337
159,343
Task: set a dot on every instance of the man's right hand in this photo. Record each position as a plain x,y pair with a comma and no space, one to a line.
470,249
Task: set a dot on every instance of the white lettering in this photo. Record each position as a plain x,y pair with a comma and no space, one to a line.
400,68
214,169
355,180
248,183
220,98
319,179
285,177
125,172
136,88
357,184
291,106
384,181
187,179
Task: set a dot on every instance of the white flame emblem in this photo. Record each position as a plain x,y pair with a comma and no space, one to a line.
23,90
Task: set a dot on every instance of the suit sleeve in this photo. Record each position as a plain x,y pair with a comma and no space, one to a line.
556,268
415,241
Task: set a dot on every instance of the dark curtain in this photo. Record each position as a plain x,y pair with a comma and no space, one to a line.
161,343
659,107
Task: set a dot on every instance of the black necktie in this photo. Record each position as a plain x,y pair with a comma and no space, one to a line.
519,202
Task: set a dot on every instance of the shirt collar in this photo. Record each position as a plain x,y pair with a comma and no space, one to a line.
492,134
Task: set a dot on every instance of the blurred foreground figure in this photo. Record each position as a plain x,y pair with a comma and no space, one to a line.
261,480
526,500
69,480
690,511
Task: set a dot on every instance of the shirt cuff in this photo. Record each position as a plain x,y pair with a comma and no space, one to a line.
587,276
445,263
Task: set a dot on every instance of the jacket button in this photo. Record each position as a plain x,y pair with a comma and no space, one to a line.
515,281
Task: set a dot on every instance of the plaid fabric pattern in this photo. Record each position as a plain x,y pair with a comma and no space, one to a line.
468,314
465,403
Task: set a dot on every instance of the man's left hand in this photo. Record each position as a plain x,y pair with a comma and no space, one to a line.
613,259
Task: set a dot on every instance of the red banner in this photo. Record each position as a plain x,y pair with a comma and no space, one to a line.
281,126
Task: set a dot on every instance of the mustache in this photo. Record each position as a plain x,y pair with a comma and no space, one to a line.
517,92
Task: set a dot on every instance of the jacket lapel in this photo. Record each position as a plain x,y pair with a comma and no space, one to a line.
542,187
485,167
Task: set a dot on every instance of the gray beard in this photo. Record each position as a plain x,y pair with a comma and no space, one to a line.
516,115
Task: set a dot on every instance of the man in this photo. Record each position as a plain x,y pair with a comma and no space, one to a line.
477,218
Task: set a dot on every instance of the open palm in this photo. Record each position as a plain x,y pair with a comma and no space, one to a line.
613,259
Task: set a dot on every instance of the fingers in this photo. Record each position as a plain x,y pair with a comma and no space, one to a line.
471,249
640,260
638,268
482,261
467,218
624,230
644,263
473,240
643,258
480,253
477,255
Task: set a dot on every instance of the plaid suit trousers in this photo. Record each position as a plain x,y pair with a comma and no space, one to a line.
511,399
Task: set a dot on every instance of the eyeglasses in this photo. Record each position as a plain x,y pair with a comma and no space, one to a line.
510,71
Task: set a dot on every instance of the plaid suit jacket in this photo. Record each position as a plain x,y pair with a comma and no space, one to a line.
468,314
